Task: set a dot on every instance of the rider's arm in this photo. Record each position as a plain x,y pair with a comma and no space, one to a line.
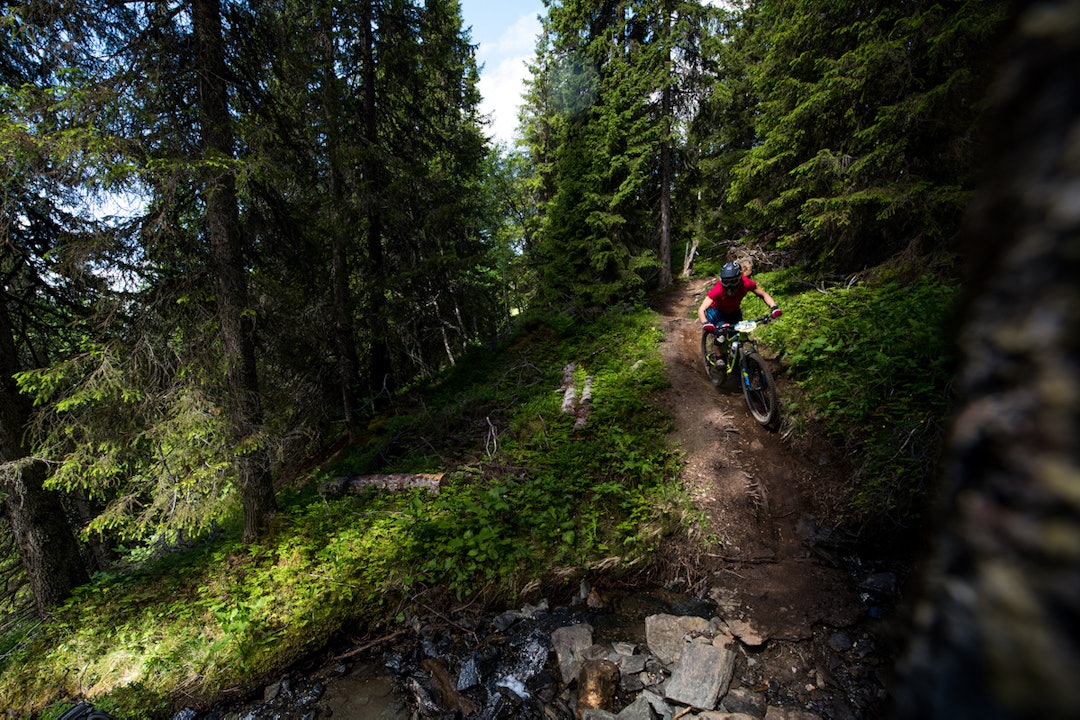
764,296
705,305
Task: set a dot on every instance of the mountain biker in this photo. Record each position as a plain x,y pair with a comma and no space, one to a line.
723,303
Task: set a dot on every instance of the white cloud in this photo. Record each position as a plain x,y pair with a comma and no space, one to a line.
505,69
501,87
520,37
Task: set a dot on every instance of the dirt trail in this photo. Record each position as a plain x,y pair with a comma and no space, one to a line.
769,504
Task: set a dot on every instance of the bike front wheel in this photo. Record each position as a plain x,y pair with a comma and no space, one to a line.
759,389
713,356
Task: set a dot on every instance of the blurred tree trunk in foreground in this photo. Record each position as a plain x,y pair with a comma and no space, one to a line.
998,630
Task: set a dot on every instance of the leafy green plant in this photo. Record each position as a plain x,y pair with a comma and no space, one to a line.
527,494
575,491
872,361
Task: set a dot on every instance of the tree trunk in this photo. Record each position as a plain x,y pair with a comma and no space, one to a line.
344,339
47,547
688,257
665,159
340,270
100,552
219,190
998,627
379,359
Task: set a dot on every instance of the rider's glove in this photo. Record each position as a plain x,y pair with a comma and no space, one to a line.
776,312
708,327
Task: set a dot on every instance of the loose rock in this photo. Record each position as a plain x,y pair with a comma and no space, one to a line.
640,709
702,675
570,644
666,635
597,683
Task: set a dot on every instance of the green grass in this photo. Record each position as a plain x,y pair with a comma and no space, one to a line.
872,362
528,500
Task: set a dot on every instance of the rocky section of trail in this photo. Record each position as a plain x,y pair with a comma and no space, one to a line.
657,655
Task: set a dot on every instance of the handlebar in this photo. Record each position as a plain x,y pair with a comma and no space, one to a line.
729,328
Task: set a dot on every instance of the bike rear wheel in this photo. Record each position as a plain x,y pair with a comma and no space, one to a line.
759,389
713,356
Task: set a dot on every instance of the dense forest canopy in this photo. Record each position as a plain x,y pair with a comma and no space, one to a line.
321,217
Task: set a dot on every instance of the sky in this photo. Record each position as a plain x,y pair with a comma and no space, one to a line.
505,31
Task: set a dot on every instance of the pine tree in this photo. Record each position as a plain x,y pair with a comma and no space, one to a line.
864,140
246,318
229,269
46,286
596,136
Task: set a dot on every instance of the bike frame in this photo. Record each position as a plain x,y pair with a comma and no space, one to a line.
739,339
736,338
735,345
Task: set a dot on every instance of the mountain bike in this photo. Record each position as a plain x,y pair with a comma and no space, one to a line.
731,346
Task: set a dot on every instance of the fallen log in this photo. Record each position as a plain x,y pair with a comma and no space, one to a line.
392,482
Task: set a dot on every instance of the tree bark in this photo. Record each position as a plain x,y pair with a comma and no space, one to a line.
997,631
341,267
379,357
230,276
48,549
665,158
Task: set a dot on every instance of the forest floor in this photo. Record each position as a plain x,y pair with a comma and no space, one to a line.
815,618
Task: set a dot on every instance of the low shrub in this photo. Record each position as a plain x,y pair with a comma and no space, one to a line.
873,363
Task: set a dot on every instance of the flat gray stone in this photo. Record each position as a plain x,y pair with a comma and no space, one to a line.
701,676
666,635
640,709
630,664
658,704
594,714
571,643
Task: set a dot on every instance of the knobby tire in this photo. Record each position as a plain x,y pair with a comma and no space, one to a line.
759,389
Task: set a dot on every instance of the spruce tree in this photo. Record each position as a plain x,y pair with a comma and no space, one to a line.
864,140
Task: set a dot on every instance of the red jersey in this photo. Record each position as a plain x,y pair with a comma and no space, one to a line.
728,303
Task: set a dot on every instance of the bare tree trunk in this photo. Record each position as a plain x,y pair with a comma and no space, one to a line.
47,547
692,247
230,276
379,368
688,257
998,628
665,159
341,271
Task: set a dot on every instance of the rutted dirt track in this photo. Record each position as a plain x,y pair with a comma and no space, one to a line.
778,577
759,495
